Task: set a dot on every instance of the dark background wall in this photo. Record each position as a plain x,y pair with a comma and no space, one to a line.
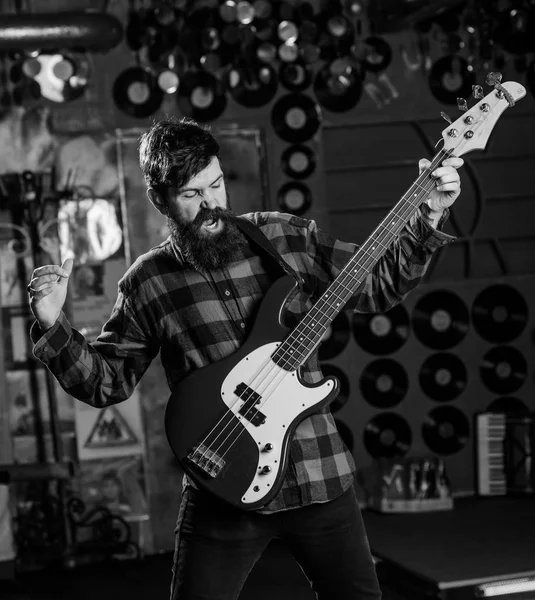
366,158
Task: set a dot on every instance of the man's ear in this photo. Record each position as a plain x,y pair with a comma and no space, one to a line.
158,201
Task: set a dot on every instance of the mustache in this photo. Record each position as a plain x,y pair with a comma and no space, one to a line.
217,213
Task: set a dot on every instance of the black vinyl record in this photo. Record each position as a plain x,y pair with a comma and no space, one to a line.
295,118
295,76
384,383
387,435
507,405
450,79
377,54
335,338
343,396
337,92
446,430
201,96
516,30
136,92
298,161
440,320
294,197
62,77
499,314
503,369
346,434
253,86
382,333
443,377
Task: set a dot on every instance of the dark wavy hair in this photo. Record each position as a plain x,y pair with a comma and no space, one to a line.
173,151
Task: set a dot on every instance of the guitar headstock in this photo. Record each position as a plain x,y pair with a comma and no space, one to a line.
472,130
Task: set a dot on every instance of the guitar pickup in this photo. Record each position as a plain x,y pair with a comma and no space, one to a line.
207,460
250,399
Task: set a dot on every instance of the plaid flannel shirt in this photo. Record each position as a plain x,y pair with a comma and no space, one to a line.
194,318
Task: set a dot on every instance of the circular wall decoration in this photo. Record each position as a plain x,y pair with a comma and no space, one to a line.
338,91
387,435
384,383
136,92
346,434
440,320
450,79
295,76
343,396
201,96
298,161
381,333
253,87
335,338
503,369
294,197
507,405
295,118
446,430
499,314
443,377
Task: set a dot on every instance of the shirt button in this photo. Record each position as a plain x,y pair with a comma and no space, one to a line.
242,325
227,293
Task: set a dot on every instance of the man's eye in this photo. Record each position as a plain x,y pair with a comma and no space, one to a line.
190,195
216,185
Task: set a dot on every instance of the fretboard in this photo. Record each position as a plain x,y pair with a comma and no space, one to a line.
307,335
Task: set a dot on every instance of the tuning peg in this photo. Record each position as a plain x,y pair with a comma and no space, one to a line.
477,92
446,117
462,105
493,78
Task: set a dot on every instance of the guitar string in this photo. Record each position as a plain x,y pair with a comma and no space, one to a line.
209,446
421,196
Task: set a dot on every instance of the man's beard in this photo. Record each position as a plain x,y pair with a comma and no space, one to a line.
205,251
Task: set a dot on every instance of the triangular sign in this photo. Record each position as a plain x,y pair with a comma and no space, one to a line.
110,429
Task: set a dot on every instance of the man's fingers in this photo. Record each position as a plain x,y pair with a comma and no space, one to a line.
39,281
40,292
51,269
423,164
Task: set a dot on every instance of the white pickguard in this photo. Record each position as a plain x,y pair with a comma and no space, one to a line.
283,399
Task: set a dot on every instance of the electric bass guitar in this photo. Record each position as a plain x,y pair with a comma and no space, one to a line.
230,423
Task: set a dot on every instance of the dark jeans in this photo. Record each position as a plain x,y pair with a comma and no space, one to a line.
217,545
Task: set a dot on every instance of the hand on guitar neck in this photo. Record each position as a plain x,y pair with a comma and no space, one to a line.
447,187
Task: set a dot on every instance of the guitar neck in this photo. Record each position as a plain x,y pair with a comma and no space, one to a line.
306,337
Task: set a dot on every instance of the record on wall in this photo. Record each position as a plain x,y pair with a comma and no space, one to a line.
295,118
387,435
443,377
446,430
377,54
295,76
298,161
450,79
335,339
346,434
440,320
381,333
503,369
338,88
294,197
253,85
499,314
136,92
508,405
201,96
384,383
343,396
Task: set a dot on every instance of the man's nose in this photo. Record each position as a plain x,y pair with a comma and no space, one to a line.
209,203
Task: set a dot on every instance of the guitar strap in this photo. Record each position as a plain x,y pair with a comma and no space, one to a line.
253,232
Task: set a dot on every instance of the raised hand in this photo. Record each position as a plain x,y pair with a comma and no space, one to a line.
48,291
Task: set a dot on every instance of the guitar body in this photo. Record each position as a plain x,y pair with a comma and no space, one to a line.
242,458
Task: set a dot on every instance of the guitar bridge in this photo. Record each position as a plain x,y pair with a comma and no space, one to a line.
207,460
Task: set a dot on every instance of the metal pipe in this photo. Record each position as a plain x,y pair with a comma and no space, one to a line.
94,31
